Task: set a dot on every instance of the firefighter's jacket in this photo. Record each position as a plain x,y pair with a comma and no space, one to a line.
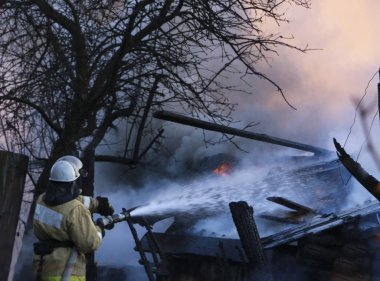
70,221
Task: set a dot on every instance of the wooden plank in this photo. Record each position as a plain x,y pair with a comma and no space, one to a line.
13,168
177,118
291,204
184,245
292,217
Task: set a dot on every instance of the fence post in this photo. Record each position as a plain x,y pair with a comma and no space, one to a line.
13,168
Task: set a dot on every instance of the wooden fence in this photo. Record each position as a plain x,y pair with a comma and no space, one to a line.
13,168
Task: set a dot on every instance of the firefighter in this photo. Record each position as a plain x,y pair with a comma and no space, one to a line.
63,224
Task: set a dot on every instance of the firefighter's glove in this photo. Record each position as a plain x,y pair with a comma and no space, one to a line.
104,207
110,223
105,223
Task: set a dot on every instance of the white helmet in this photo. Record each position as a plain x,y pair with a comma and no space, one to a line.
63,171
74,161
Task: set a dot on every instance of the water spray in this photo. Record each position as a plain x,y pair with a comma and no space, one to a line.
128,216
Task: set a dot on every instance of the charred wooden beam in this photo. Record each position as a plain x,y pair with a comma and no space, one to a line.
292,217
242,215
371,183
320,223
291,204
177,118
298,216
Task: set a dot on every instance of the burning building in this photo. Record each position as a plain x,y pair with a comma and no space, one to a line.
311,238
321,240
341,246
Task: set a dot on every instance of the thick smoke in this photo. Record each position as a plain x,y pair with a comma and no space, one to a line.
323,85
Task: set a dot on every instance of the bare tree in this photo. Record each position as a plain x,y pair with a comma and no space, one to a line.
72,69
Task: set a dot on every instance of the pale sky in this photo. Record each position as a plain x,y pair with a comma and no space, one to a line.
322,83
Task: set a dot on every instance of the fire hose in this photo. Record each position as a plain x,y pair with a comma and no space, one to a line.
109,221
124,215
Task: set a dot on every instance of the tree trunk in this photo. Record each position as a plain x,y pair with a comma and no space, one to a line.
87,185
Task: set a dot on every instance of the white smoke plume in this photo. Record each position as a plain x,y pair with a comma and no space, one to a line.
322,84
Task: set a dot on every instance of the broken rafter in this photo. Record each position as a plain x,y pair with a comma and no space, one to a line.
291,204
177,118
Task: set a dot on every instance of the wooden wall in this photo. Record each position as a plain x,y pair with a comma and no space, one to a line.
201,269
13,168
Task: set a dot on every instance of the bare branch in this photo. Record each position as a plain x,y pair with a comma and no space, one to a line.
39,109
94,65
115,159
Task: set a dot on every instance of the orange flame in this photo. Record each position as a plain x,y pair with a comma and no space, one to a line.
222,170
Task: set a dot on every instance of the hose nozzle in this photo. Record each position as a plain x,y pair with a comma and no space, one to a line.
109,221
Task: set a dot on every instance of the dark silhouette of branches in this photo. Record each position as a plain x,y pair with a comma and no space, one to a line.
70,70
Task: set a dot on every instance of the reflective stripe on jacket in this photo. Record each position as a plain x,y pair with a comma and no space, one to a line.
89,202
70,221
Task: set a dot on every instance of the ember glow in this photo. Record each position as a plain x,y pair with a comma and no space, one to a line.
222,170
